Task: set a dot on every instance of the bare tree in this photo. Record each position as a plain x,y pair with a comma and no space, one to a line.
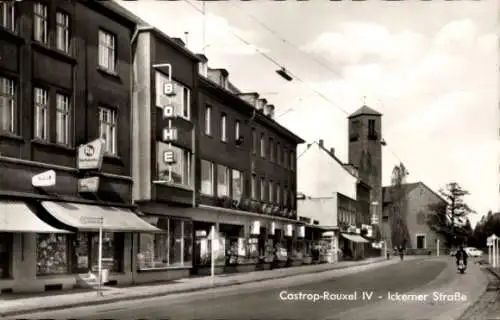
400,235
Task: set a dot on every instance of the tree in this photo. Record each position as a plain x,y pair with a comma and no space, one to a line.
450,218
400,235
489,224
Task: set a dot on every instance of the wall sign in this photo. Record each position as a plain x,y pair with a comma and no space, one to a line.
90,155
169,133
272,228
288,230
44,179
88,184
302,232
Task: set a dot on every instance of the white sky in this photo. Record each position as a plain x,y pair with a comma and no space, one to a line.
431,68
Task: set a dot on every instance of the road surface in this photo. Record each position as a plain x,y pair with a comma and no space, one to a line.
362,295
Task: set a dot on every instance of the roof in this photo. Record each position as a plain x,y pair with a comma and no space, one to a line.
365,110
334,157
407,188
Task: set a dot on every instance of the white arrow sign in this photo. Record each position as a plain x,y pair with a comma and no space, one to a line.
44,179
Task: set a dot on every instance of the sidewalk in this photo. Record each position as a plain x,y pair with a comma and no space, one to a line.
12,304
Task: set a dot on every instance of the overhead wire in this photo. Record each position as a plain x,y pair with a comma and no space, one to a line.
275,62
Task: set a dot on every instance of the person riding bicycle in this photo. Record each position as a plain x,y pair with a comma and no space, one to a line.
461,255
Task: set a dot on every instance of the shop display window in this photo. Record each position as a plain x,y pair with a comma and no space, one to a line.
52,254
232,251
5,254
298,250
172,248
281,252
204,249
252,250
269,251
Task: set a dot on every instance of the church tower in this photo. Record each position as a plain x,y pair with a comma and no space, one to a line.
365,152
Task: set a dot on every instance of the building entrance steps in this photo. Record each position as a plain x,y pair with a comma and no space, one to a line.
15,304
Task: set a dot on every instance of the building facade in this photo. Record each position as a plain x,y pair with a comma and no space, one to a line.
64,82
419,199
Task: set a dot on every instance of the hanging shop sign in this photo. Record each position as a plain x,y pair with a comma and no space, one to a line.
88,185
288,230
255,228
44,179
302,232
358,230
272,228
90,155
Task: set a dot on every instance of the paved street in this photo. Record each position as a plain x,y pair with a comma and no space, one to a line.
262,300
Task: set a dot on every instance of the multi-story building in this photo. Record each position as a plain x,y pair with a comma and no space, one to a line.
64,82
420,201
203,157
330,189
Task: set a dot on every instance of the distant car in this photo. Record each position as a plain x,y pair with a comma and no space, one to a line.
473,252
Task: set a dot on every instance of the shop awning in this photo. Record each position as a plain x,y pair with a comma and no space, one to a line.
16,216
86,217
354,238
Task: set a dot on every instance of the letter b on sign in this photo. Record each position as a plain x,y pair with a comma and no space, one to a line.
168,89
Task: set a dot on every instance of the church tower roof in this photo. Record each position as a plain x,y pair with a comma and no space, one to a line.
365,111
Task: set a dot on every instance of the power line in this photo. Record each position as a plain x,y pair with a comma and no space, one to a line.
275,62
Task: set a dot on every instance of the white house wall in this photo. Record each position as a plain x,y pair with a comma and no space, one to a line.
323,209
319,175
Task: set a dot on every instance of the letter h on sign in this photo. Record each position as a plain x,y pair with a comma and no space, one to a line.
169,134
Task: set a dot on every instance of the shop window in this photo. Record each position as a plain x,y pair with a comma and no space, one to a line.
86,252
52,254
173,248
5,254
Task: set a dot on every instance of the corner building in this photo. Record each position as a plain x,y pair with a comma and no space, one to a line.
64,82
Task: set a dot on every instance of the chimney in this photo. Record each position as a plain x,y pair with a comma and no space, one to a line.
261,103
250,97
332,151
202,65
321,142
269,111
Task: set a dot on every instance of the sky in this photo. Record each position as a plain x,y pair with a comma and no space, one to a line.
431,68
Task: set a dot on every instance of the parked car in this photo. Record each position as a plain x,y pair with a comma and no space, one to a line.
473,252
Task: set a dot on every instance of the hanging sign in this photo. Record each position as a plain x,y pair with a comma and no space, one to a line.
302,232
90,155
255,228
88,185
288,230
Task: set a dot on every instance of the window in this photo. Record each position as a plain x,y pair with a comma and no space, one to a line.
52,254
8,105
270,189
8,15
62,31
285,196
292,160
186,106
278,193
222,181
107,129
180,101
254,141
262,189
421,243
40,26
112,251
41,114
254,186
354,129
285,159
177,173
62,120
237,130
262,146
107,51
208,117
371,128
237,185
171,249
271,149
5,255
223,133
207,178
278,154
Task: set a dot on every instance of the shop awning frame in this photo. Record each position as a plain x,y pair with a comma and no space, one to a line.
84,217
355,238
17,216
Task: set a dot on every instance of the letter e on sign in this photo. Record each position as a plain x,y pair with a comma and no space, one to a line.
169,157
168,112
